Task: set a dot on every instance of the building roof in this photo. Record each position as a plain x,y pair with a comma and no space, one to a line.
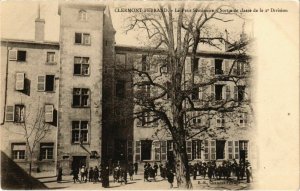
52,43
127,48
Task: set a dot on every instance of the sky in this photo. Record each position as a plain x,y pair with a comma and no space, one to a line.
17,21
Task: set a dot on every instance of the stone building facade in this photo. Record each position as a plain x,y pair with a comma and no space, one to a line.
84,85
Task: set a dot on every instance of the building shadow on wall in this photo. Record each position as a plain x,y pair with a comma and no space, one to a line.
14,177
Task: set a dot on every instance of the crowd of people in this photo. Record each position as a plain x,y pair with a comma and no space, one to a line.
92,175
227,170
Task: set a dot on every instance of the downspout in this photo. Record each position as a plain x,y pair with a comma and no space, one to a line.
5,90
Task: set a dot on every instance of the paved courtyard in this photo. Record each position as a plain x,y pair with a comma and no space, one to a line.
138,183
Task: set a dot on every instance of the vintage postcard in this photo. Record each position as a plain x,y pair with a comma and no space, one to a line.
149,95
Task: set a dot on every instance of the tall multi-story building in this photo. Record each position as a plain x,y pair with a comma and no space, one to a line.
29,99
81,88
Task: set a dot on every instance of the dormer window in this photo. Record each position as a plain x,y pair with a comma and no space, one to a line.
82,15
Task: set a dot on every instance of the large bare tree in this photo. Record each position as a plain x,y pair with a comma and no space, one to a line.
176,37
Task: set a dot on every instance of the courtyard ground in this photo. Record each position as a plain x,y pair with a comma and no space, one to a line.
138,184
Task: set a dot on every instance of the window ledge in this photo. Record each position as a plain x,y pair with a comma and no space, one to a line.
81,75
82,44
51,63
81,107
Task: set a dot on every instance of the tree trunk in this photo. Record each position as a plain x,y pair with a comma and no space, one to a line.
183,170
30,167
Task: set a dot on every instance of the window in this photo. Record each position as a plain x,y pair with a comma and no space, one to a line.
49,113
218,66
82,15
243,119
18,151
196,65
20,81
195,93
18,55
81,66
15,113
120,89
121,60
219,92
19,113
196,149
243,147
220,149
241,93
80,131
82,38
240,70
220,121
46,151
46,83
81,97
145,64
50,57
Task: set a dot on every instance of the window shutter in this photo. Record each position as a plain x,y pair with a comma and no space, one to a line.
235,93
188,65
20,79
236,150
213,150
189,149
234,67
13,55
230,149
156,144
137,150
41,83
49,113
9,115
224,92
226,67
206,150
200,93
212,68
227,92
163,150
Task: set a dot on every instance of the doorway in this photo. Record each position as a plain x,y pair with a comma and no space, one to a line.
220,144
78,162
146,147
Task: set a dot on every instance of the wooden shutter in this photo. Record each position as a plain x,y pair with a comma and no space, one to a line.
226,67
234,67
212,68
13,55
206,150
224,92
200,93
236,150
213,150
227,92
20,80
189,149
156,145
137,150
49,113
230,149
10,113
188,65
41,83
163,150
235,93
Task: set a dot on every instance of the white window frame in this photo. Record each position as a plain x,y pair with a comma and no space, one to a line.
81,95
243,120
79,129
83,39
16,55
51,59
83,16
82,63
46,147
42,81
18,151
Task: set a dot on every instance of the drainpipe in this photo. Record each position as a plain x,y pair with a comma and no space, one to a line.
5,90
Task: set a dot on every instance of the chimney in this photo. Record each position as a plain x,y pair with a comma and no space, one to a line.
39,27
